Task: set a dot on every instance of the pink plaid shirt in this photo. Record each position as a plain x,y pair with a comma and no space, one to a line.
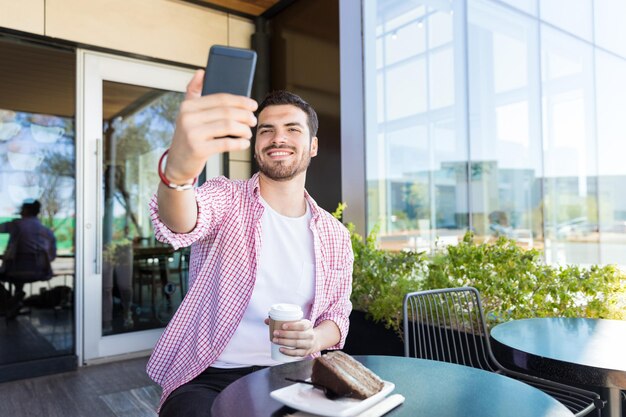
225,246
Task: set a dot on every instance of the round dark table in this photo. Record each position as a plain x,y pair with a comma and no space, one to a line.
434,389
583,351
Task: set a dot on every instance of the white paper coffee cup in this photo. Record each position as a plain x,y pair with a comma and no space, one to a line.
278,315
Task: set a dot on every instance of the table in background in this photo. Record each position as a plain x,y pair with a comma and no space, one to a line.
160,254
589,352
433,389
64,266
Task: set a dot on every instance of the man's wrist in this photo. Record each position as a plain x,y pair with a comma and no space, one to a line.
318,346
170,180
176,178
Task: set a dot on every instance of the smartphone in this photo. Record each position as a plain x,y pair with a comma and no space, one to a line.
229,70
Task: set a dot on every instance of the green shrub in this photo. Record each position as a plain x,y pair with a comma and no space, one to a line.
514,282
380,279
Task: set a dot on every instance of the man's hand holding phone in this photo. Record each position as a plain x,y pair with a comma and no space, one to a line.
215,117
207,125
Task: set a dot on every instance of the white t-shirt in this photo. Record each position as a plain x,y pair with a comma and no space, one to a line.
285,274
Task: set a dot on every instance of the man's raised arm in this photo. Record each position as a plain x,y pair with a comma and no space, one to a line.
202,129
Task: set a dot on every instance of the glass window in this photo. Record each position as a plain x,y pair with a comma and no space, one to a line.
528,6
407,151
610,25
505,140
574,16
404,89
404,41
441,79
379,52
530,148
570,187
380,104
417,158
440,26
611,108
37,164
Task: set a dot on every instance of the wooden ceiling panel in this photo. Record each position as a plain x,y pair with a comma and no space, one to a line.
249,7
41,80
118,97
35,79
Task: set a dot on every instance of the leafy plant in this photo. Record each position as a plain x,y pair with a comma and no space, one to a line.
382,278
113,250
514,282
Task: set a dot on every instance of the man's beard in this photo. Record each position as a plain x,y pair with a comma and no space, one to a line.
282,170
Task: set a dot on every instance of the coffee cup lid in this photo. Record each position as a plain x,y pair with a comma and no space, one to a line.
285,311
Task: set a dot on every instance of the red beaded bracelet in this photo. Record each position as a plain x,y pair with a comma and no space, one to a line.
167,182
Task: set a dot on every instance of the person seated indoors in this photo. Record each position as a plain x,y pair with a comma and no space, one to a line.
499,224
254,243
29,253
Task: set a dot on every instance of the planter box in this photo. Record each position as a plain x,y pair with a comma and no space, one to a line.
369,338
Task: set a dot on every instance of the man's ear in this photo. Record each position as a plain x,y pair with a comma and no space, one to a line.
313,150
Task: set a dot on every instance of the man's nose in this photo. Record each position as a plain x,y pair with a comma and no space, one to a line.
279,137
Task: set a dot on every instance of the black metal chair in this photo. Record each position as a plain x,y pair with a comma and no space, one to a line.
25,268
448,325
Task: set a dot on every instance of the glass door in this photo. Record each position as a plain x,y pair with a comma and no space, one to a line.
132,284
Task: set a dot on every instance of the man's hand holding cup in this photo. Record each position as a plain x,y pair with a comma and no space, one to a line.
292,337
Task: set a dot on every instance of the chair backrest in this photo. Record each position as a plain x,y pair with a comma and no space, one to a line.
29,267
29,256
447,325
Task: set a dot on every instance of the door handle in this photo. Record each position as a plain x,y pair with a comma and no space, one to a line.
98,220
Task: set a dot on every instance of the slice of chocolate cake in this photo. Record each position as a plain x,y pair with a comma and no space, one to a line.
346,376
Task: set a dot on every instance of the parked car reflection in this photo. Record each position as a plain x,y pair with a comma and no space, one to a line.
576,228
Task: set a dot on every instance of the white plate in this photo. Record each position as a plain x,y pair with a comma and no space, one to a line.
307,398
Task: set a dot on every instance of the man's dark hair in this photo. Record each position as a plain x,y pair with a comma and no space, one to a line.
281,97
31,208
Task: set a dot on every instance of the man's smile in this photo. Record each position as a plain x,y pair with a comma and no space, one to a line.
279,153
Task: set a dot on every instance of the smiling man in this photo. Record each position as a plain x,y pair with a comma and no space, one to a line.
254,243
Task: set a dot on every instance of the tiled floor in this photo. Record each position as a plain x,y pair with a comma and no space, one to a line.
119,389
40,334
